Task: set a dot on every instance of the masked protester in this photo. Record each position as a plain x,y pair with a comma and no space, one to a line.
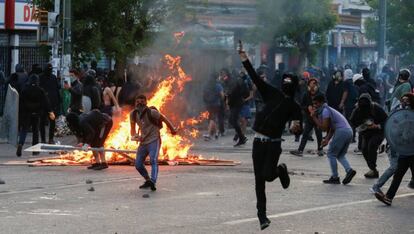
234,88
75,87
91,129
149,121
405,103
313,90
50,83
403,164
336,93
339,135
369,118
278,108
33,102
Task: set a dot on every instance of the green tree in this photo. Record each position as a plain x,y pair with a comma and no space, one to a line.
399,29
301,24
118,28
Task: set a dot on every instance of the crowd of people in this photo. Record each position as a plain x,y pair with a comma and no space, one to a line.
89,100
340,105
350,105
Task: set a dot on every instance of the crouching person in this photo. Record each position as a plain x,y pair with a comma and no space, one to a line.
91,128
149,121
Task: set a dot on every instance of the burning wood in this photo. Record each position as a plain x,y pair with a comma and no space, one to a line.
119,147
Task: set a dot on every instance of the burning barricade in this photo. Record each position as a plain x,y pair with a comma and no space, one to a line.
119,147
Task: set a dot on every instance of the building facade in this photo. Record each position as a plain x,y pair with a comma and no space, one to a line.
18,36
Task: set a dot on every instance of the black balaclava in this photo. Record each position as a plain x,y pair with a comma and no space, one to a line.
364,104
289,84
73,122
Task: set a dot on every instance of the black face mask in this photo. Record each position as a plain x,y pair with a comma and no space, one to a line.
364,104
289,89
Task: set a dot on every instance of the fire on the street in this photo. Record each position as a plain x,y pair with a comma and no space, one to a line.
175,148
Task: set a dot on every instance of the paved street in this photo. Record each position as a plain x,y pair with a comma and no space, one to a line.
194,199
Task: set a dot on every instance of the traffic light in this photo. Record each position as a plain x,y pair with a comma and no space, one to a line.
42,17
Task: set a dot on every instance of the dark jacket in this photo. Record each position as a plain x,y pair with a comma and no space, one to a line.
50,84
91,90
376,114
76,91
365,87
90,125
334,94
277,110
233,89
34,99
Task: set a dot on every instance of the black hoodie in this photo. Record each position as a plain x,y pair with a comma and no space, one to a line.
33,98
277,110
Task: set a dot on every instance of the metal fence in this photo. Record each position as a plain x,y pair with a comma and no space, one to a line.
5,59
27,57
31,55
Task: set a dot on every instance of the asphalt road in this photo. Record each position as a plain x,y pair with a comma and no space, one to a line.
195,199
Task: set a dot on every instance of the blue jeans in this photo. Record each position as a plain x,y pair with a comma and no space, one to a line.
338,148
393,158
152,149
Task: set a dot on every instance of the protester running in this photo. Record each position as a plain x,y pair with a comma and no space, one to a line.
278,108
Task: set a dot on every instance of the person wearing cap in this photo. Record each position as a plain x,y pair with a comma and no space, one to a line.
279,107
370,120
365,87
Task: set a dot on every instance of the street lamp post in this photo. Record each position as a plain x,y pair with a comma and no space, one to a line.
382,33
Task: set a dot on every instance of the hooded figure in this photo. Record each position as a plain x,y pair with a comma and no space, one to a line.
278,108
369,118
20,78
366,73
365,87
33,103
49,82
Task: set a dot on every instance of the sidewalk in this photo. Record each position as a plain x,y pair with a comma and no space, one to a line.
8,151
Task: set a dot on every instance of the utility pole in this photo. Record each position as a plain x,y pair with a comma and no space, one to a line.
382,14
67,38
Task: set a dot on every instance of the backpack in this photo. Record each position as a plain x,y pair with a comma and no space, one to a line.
156,122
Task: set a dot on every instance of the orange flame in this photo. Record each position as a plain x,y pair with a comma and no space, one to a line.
172,146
